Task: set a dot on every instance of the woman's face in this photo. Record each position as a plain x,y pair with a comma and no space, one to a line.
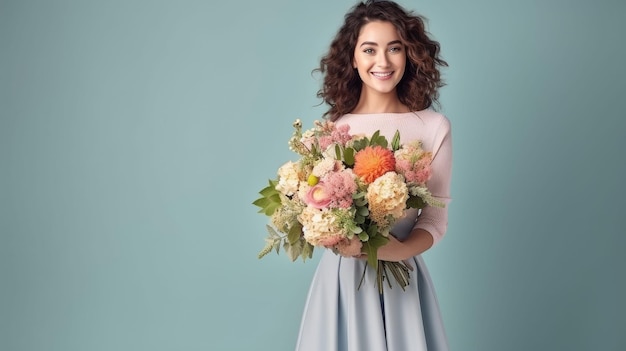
379,57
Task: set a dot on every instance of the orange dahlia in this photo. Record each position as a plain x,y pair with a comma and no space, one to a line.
372,162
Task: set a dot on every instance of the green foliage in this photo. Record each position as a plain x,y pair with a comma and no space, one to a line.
375,140
272,242
378,140
363,236
395,142
348,156
363,210
270,199
360,144
359,195
295,233
425,196
356,229
293,250
415,202
372,230
294,247
307,251
371,247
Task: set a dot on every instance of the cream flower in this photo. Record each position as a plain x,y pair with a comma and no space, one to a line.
288,179
303,190
387,195
324,166
320,227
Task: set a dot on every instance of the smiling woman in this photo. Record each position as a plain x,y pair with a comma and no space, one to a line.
381,75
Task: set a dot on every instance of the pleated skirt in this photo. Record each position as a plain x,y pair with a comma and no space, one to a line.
341,316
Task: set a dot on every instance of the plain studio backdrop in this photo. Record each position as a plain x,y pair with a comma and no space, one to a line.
135,134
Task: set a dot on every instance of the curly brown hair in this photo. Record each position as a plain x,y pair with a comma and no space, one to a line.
418,88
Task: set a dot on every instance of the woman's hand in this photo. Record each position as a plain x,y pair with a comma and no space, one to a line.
388,252
395,250
391,251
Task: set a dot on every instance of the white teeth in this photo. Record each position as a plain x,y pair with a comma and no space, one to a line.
378,74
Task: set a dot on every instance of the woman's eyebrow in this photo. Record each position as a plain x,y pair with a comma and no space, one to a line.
375,44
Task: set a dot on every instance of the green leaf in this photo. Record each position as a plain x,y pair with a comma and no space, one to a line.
415,202
268,191
272,241
363,211
378,241
270,199
372,254
272,232
261,202
314,149
295,233
382,141
307,251
360,144
356,230
348,156
275,198
266,249
270,209
337,152
371,248
395,142
378,140
293,250
372,230
374,138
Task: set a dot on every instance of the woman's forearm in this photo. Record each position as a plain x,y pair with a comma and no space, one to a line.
418,241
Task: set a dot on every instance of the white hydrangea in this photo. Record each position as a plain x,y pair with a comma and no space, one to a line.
288,179
325,166
387,195
320,227
303,189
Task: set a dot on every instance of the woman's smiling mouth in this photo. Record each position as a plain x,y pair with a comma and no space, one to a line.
382,75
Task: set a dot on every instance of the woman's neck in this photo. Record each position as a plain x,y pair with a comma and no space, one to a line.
379,103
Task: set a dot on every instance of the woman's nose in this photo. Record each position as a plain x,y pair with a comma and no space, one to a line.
383,60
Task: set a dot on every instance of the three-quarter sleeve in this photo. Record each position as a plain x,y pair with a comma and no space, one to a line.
435,219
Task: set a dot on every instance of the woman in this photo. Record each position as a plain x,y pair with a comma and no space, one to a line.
382,73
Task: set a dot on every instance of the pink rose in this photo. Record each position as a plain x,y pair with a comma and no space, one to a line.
318,196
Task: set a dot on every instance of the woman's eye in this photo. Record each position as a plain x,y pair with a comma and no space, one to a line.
368,51
395,49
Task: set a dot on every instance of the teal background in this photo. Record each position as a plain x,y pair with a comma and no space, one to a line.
135,134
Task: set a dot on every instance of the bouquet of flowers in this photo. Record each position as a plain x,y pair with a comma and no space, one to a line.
345,193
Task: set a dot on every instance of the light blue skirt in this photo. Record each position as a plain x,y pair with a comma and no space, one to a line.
340,316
